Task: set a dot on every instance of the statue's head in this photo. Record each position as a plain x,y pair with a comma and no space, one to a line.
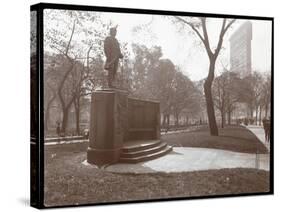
113,31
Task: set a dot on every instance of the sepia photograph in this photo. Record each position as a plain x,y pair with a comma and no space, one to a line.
145,105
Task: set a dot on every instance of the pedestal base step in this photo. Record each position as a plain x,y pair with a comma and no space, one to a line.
139,151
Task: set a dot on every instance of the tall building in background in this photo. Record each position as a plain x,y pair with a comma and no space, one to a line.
240,50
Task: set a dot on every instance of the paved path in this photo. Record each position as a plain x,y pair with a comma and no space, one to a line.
195,159
259,132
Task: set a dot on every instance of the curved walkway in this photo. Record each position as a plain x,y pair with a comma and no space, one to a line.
194,159
259,132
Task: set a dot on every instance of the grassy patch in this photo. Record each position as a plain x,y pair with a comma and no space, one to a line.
68,181
233,138
52,151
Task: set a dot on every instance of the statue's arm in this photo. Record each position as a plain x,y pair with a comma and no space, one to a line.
120,53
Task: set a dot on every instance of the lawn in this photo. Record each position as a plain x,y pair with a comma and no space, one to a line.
68,181
233,138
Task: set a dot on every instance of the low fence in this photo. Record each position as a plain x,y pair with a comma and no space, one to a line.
67,138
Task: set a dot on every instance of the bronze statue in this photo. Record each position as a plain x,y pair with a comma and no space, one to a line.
113,54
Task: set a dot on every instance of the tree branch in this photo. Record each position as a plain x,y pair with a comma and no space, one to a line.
206,37
192,26
224,28
88,56
228,25
70,39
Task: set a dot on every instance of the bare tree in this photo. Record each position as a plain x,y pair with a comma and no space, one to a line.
185,97
145,65
266,95
199,27
50,95
220,94
225,94
160,86
251,93
73,51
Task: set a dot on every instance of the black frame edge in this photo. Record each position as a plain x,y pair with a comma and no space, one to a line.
145,11
272,113
37,198
34,165
41,105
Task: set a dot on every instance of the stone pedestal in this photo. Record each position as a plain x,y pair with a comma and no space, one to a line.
108,125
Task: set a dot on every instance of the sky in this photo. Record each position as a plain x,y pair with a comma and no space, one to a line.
183,48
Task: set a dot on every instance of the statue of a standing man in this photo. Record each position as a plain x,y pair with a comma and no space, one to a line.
113,54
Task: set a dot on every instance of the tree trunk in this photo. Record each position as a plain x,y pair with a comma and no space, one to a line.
266,110
163,120
251,111
222,119
47,118
209,100
168,120
229,117
64,123
65,107
77,115
177,119
260,115
257,115
47,115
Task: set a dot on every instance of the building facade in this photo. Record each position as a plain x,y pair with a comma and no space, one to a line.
241,50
